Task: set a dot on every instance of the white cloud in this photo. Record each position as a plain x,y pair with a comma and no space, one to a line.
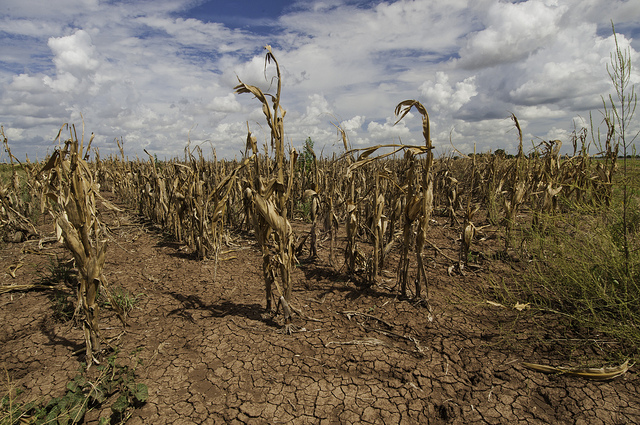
441,95
25,27
538,112
36,9
152,74
354,124
513,31
387,132
226,103
74,53
318,110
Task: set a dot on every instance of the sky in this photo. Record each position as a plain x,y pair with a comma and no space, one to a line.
159,74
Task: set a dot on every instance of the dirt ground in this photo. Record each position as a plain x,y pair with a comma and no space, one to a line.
210,354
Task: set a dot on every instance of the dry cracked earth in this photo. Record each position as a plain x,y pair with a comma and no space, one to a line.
209,354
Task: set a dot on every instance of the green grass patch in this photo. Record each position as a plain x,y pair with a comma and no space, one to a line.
578,271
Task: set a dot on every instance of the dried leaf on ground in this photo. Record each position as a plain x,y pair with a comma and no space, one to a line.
598,374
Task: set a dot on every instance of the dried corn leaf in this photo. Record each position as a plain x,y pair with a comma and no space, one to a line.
469,233
309,193
598,374
4,289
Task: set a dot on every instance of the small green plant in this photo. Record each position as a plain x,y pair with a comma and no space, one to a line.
122,299
304,209
112,382
62,306
59,270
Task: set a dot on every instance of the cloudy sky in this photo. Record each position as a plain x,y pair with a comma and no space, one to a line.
159,73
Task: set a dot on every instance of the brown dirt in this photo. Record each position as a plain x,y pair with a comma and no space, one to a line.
210,354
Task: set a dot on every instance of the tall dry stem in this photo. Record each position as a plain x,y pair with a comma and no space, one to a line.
421,206
71,193
268,199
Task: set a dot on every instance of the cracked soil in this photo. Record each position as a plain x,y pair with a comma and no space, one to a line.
209,353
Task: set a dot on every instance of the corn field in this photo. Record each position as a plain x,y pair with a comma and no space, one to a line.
374,206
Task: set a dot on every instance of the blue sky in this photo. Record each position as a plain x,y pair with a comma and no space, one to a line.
257,16
160,73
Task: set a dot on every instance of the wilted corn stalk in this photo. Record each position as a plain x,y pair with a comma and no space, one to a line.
313,198
468,228
351,250
494,177
377,227
268,199
219,197
14,225
514,197
452,199
547,181
422,204
352,255
157,192
575,172
20,196
197,207
602,186
71,194
411,212
330,218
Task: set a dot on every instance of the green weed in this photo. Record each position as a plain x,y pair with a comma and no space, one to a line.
578,270
60,274
112,382
124,301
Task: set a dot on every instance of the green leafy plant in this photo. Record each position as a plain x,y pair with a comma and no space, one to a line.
113,381
305,160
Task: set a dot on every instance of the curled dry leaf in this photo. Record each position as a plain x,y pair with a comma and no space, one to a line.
13,268
598,374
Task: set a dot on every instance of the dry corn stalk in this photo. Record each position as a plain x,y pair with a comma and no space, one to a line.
352,254
268,199
312,196
515,196
468,228
71,194
420,205
411,212
378,225
14,224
